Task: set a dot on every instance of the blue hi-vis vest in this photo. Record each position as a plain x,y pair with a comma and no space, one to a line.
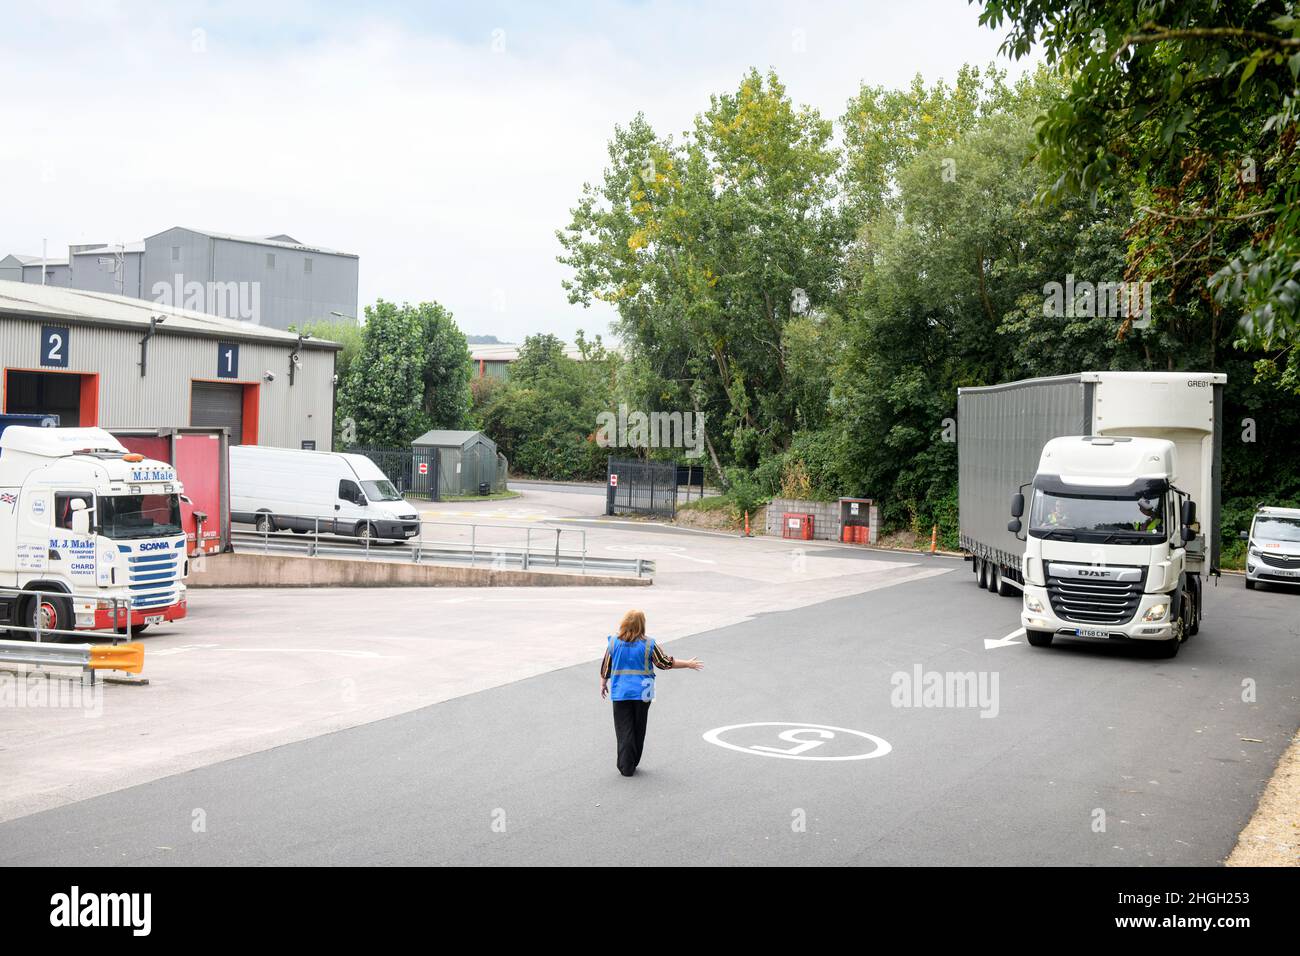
631,669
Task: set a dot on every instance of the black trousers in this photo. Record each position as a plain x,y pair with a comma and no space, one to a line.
629,726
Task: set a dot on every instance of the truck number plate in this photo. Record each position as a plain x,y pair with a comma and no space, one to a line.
1090,632
154,619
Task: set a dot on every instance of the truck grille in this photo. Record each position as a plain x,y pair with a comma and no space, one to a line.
1095,600
153,577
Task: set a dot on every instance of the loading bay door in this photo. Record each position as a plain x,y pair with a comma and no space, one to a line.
213,404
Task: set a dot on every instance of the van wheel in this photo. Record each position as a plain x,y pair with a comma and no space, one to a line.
55,613
1250,585
366,530
1039,638
265,524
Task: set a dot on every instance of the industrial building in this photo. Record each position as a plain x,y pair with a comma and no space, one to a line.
275,281
117,362
494,361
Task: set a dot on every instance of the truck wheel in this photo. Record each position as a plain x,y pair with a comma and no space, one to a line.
1039,638
265,524
1168,648
55,613
1006,589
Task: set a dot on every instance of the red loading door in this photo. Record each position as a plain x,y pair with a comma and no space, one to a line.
199,465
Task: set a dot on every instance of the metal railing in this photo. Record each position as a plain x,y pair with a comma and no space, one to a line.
537,551
47,645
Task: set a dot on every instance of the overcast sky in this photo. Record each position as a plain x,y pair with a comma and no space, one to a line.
444,144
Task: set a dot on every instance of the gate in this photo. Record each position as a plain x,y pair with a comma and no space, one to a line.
413,473
641,487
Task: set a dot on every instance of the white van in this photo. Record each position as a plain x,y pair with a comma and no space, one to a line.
283,488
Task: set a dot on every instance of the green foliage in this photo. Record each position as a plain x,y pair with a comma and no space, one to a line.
1191,106
543,418
408,373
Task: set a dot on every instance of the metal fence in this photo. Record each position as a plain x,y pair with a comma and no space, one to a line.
413,473
46,646
640,487
494,546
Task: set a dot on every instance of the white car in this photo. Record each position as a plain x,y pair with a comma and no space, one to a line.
284,488
1273,547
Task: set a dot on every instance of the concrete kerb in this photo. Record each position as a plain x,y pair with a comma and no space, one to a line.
235,570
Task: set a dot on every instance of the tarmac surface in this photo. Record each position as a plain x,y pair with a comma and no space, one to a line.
888,730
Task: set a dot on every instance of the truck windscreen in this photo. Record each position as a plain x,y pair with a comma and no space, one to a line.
139,516
1088,517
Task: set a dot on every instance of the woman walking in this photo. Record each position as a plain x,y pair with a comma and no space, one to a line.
630,662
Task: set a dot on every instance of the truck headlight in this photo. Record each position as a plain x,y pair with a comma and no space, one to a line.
1033,604
1156,612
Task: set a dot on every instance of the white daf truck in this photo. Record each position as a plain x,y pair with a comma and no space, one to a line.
1113,480
82,516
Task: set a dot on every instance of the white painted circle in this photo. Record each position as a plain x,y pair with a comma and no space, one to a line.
882,746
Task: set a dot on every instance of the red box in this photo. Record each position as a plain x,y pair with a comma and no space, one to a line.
797,525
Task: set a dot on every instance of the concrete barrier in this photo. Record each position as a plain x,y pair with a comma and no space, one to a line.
235,570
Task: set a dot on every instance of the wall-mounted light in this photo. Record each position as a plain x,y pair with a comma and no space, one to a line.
154,322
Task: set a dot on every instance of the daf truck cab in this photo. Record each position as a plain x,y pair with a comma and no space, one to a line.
1113,550
81,516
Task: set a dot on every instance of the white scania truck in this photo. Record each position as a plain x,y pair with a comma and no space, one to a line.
1112,481
82,516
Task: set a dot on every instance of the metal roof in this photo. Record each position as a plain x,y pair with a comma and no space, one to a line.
276,241
111,248
53,303
449,438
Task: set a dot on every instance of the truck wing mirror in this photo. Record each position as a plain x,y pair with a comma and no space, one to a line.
1189,512
1014,526
1017,506
80,516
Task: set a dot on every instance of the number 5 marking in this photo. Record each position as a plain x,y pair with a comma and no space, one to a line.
802,746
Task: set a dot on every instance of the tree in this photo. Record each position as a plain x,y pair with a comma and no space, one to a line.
708,249
1192,106
383,394
446,373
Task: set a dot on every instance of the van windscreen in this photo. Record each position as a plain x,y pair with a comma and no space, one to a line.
381,490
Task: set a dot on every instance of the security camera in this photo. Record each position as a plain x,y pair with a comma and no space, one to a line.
296,359
269,375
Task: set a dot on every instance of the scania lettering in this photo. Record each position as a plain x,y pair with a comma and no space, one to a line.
1113,482
80,515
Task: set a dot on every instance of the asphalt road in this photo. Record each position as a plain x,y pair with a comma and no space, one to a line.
524,773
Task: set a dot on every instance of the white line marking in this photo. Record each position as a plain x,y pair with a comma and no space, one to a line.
1004,641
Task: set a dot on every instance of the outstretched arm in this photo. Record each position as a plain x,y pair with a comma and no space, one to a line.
666,663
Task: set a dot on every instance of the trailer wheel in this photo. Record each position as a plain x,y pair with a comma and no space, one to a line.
993,577
1039,638
981,572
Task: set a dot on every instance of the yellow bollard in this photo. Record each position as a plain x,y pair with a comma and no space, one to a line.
118,657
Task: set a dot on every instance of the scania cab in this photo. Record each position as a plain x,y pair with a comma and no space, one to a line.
83,517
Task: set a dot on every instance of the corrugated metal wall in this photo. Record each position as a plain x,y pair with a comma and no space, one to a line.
1000,436
286,416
